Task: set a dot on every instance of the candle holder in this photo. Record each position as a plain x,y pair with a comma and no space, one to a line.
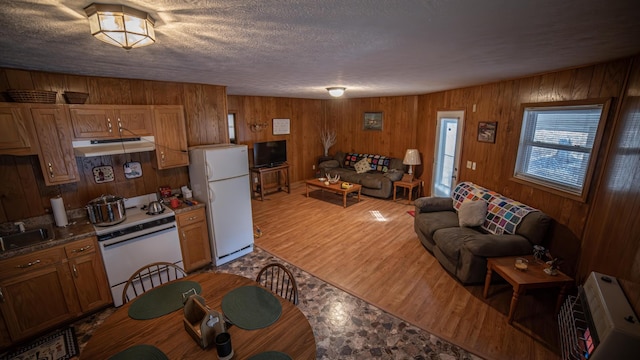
522,264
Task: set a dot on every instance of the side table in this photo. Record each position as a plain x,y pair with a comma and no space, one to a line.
260,188
533,278
407,185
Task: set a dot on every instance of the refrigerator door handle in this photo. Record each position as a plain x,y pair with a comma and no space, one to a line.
212,194
208,168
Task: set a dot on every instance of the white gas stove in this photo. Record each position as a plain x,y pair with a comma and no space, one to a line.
139,240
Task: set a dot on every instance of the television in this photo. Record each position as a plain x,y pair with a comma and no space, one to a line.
269,153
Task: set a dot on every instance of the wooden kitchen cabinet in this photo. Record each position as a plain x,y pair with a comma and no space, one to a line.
194,239
46,288
171,136
17,136
89,276
5,339
54,134
110,121
37,292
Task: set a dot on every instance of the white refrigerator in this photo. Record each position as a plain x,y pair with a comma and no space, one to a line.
219,176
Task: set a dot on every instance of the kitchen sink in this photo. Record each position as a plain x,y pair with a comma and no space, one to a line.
22,239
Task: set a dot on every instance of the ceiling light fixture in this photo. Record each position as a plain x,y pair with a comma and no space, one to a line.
336,91
121,25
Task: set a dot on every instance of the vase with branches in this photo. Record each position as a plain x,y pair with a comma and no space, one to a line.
328,139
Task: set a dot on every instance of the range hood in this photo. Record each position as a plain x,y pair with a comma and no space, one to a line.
87,148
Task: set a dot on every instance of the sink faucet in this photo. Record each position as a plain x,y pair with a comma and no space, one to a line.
20,226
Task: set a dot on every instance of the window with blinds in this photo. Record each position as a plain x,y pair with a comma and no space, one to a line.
557,145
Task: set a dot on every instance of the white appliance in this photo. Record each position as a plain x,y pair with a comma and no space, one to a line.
139,240
219,176
599,324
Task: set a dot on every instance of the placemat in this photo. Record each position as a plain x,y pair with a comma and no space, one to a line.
137,352
251,307
162,300
271,355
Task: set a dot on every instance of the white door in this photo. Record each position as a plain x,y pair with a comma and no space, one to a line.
447,152
226,162
231,221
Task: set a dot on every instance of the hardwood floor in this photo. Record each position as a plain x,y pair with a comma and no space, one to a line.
370,250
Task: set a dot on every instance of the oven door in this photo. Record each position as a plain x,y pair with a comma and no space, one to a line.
123,258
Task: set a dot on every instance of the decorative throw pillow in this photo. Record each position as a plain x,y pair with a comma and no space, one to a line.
362,166
472,213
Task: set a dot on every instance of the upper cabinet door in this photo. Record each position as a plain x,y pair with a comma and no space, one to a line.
134,121
171,136
93,122
110,121
53,129
16,137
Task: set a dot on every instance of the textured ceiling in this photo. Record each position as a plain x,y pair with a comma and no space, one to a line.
297,48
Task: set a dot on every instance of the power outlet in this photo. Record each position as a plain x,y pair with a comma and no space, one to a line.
469,164
473,166
313,167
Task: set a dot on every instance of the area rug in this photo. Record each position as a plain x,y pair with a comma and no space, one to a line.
412,213
57,345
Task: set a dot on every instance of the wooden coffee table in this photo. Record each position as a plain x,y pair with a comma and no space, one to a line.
335,188
533,278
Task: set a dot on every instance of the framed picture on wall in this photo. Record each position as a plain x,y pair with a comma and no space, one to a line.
372,121
281,126
487,132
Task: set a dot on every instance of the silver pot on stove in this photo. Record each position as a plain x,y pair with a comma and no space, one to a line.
106,210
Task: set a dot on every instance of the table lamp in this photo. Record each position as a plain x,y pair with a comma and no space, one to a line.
411,157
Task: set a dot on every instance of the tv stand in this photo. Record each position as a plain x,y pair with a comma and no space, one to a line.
261,188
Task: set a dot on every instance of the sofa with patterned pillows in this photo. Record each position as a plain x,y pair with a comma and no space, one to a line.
475,223
375,173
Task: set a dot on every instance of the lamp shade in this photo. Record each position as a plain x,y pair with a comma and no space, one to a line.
411,157
121,25
336,91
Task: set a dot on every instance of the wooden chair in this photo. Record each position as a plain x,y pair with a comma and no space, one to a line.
279,280
149,277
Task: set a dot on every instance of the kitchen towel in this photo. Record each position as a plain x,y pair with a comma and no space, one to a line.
59,212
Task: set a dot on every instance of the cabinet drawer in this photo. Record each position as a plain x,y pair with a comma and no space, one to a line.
24,263
80,247
191,217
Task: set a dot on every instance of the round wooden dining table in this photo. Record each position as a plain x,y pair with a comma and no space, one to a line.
290,334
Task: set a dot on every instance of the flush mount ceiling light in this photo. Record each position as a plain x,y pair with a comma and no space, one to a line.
121,25
336,91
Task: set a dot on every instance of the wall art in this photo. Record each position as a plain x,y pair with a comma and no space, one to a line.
487,131
372,121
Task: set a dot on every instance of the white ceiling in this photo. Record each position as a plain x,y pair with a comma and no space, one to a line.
297,48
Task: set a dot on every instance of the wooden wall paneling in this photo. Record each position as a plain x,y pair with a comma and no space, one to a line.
165,93
76,83
193,96
216,115
138,93
581,83
209,100
52,82
16,203
612,231
19,79
562,85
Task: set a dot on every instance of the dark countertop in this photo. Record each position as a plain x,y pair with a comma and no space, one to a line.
79,228
183,208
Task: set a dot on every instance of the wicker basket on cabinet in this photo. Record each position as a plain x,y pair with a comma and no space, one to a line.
33,96
75,97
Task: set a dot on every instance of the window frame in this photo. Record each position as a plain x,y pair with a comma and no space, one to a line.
555,187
